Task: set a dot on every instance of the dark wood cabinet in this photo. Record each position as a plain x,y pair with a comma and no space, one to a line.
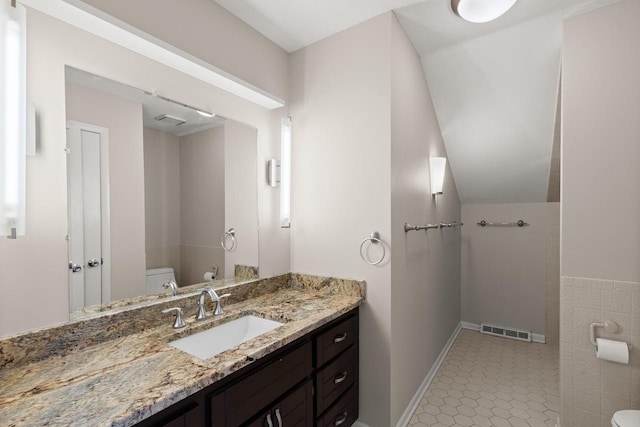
336,373
311,382
237,403
294,410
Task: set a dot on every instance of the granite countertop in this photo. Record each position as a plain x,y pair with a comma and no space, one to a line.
122,380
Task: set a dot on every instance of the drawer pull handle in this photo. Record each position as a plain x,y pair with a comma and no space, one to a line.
340,338
341,419
339,378
269,422
278,417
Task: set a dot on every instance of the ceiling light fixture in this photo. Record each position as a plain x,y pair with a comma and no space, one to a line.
479,11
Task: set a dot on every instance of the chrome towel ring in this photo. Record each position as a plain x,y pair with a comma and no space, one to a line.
232,234
374,238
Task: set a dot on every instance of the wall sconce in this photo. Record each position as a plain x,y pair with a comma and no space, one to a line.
13,119
437,167
273,173
285,173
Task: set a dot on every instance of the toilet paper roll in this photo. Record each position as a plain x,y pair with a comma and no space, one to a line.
209,275
615,351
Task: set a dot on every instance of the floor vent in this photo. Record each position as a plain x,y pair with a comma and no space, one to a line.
499,331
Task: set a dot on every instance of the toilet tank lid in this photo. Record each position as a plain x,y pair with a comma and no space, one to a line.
161,270
627,418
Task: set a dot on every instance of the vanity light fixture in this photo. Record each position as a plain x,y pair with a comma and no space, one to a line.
480,11
13,119
205,114
437,167
285,173
182,104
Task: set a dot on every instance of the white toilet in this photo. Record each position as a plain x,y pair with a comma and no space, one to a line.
627,418
155,277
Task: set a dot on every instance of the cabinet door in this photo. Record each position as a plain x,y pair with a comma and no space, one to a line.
264,420
296,409
241,401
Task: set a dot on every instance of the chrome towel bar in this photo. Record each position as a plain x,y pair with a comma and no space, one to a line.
408,227
518,223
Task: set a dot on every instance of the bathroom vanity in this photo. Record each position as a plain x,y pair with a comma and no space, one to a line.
312,381
118,368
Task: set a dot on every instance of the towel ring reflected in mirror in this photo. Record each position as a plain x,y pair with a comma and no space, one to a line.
231,233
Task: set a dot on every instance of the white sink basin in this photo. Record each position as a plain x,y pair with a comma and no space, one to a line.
228,335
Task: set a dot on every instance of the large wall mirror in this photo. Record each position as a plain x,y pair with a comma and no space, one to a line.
157,190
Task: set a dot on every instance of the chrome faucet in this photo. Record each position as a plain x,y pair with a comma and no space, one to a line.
202,314
171,284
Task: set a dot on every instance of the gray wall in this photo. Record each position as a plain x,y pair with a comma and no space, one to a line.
363,128
425,266
600,210
162,200
600,145
503,268
340,108
241,199
202,202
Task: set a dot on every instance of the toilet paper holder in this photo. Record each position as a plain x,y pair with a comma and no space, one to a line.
608,326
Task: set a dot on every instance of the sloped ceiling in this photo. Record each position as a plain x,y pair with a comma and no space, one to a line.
494,86
293,24
495,98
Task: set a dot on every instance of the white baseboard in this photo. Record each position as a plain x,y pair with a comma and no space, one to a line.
472,326
539,338
406,416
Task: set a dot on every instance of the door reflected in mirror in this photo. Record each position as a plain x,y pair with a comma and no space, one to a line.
153,185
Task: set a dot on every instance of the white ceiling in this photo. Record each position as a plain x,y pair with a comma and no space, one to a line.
494,86
293,24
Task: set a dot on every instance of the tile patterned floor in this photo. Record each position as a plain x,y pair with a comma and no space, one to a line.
490,381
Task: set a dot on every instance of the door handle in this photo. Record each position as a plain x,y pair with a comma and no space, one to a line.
269,422
74,267
278,417
93,262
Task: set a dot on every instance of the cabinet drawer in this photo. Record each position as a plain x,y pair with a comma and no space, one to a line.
337,339
344,412
335,378
242,400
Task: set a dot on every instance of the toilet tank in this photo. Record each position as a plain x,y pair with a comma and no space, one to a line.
155,277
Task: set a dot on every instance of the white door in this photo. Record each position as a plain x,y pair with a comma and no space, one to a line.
88,210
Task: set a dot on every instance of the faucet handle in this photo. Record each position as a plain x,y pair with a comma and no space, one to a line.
218,311
202,313
179,323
